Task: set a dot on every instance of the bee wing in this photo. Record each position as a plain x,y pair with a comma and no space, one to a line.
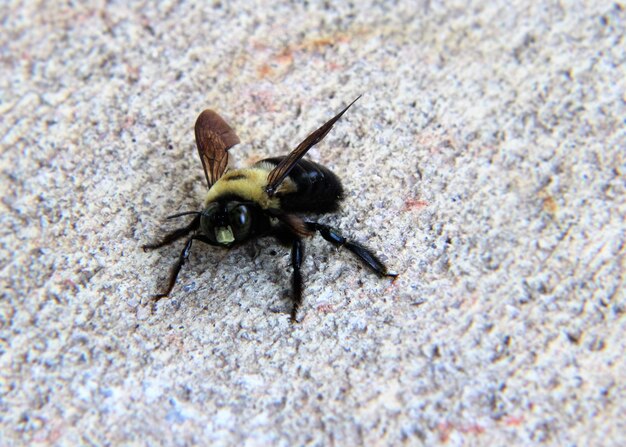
281,170
214,137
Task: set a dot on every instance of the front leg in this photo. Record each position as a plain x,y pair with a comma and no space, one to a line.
175,235
184,256
297,253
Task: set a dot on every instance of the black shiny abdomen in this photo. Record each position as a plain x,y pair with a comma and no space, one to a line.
319,189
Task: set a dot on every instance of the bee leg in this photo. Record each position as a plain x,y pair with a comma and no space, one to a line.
334,237
297,253
184,255
174,235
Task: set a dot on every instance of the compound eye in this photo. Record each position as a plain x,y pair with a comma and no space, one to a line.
206,220
240,221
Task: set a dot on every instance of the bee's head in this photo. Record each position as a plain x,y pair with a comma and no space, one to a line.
227,223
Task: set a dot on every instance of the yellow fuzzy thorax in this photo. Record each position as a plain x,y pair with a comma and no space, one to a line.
249,184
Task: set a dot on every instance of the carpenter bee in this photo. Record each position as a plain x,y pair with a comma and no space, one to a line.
266,199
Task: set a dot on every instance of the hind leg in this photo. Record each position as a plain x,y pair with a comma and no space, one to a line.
364,254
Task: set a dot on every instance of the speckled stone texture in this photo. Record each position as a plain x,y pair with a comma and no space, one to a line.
485,162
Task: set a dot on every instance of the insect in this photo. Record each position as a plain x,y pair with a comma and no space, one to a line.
266,199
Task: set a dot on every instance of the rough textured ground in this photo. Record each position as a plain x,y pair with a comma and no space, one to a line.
485,161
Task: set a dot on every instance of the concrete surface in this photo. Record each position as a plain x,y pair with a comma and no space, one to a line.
485,162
